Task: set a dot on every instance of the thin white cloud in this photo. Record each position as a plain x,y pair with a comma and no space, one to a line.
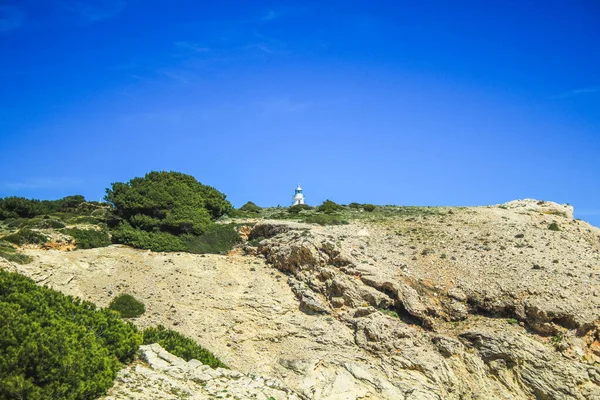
42,183
576,92
10,18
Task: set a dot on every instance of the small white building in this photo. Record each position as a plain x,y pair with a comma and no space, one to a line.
298,196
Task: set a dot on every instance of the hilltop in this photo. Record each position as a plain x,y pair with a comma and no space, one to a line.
401,302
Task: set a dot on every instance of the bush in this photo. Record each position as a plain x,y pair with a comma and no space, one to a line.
55,346
554,227
140,239
218,240
168,201
295,209
8,252
329,207
369,207
25,236
14,207
89,238
48,224
355,206
127,306
251,208
181,346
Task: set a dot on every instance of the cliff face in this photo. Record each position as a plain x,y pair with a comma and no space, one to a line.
496,302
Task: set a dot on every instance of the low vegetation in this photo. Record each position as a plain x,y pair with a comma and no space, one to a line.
329,207
89,238
250,207
55,346
181,346
8,252
25,236
127,306
554,227
217,240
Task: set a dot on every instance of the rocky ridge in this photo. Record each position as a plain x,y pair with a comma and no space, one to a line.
496,302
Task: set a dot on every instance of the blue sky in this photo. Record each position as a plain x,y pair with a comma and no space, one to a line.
388,102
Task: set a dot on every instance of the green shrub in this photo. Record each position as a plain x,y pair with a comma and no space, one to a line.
127,306
181,346
8,252
13,207
218,240
251,208
554,227
86,219
369,207
55,346
140,239
329,207
25,236
355,206
89,238
178,202
48,224
295,209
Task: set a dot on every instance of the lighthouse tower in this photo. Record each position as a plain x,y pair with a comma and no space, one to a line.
298,196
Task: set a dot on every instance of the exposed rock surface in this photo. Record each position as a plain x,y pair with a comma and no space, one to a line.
497,302
162,375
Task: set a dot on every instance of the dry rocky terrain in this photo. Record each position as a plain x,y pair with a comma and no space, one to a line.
498,302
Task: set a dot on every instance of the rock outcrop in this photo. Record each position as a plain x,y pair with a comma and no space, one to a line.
161,375
498,302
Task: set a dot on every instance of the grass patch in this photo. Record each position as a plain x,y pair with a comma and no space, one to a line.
89,238
8,252
127,306
86,219
181,346
217,240
25,236
326,219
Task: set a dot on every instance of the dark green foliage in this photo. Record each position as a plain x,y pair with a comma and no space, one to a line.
218,240
298,207
155,241
181,346
355,206
15,207
369,207
554,227
89,238
86,219
127,306
169,202
8,252
46,224
250,207
324,219
329,207
25,236
55,346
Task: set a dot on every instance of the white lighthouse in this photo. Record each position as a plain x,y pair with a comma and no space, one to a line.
298,196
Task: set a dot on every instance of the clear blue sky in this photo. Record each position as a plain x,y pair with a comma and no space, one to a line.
388,102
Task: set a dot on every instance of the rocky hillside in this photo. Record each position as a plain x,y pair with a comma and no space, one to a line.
498,302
